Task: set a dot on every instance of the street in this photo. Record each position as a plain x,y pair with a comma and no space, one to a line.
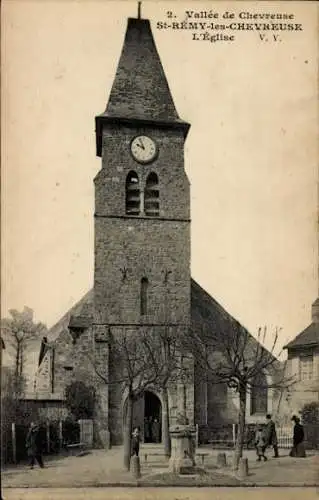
159,493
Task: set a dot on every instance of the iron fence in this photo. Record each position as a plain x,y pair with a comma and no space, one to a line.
224,436
54,436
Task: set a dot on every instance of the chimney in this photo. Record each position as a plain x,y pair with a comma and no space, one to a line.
315,311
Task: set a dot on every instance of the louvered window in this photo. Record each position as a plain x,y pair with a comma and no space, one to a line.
151,197
133,195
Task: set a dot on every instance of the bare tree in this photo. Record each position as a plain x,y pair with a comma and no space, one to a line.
168,359
18,331
171,362
171,368
234,357
138,368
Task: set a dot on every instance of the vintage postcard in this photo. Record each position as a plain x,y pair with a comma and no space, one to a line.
160,299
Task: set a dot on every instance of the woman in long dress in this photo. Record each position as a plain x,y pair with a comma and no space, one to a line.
298,449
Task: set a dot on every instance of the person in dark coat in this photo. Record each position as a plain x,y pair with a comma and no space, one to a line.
298,449
156,431
147,430
271,435
34,445
136,439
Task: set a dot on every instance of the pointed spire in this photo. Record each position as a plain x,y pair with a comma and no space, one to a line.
139,4
140,89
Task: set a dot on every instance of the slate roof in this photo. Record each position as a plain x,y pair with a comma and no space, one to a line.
204,310
217,322
140,90
308,337
206,307
82,309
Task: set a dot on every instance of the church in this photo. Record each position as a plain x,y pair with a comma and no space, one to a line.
142,274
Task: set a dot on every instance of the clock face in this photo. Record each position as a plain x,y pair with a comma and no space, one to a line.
143,149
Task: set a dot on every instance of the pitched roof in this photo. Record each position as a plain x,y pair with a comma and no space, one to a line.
202,304
207,307
204,309
140,89
217,322
309,336
82,309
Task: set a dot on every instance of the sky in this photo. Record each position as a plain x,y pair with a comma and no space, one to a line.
251,153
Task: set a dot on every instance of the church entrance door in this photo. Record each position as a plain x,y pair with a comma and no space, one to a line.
147,415
152,418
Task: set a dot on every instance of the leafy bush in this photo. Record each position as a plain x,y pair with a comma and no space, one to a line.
80,400
310,420
310,413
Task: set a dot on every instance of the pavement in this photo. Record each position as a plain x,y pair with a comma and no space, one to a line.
102,468
160,494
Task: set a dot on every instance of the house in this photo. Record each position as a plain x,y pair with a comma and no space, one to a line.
303,364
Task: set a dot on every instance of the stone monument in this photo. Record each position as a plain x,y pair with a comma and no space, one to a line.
183,438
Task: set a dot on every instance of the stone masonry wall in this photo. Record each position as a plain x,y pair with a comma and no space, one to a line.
302,391
118,161
118,392
146,249
128,249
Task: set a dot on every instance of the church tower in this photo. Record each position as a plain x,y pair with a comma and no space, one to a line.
142,205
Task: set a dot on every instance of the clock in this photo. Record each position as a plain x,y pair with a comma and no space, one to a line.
143,149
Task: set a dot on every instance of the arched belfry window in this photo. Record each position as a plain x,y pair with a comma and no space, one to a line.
151,196
132,193
259,395
144,290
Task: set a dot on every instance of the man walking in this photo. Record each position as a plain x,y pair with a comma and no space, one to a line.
271,435
34,445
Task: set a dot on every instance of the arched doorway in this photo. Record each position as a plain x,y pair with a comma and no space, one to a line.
152,418
147,415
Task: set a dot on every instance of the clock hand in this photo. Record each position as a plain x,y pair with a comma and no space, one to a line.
141,144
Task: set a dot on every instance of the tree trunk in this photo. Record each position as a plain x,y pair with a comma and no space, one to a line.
128,432
184,400
21,361
17,362
238,453
165,420
17,370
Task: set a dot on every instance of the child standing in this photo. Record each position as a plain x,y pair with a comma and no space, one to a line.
136,438
260,443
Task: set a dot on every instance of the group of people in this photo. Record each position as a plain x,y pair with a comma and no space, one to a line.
266,436
152,430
